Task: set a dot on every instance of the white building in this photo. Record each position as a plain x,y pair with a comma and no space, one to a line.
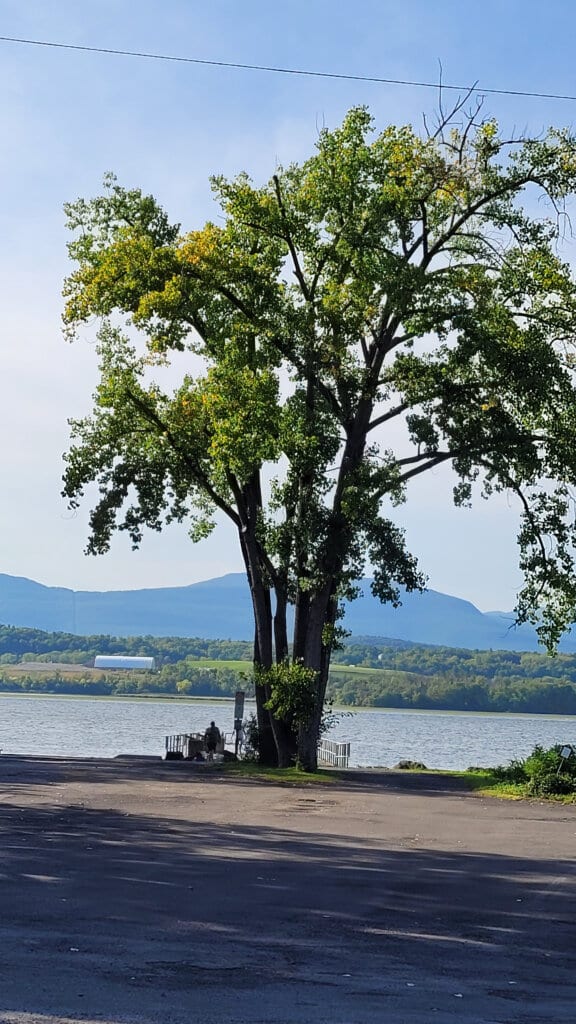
124,661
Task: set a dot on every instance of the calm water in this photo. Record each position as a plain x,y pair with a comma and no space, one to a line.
107,727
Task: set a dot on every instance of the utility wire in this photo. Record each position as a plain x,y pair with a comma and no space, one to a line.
289,71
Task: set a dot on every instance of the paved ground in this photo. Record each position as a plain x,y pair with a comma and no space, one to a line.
151,892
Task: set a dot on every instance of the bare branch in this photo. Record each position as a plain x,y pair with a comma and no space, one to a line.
446,119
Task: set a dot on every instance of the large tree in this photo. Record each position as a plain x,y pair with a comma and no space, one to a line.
394,303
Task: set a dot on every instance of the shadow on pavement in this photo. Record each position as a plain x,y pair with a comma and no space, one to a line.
22,771
151,910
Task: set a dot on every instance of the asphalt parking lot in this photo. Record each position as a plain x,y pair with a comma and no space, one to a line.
147,892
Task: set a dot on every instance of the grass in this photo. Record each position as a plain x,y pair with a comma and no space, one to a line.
215,663
247,667
51,668
291,776
483,782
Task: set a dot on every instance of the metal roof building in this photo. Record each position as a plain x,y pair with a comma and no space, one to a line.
124,661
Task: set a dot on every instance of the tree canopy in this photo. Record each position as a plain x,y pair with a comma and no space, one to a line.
389,305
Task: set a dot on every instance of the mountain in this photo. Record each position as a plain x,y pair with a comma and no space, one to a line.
220,609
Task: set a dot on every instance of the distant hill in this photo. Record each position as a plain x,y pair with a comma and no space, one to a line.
220,609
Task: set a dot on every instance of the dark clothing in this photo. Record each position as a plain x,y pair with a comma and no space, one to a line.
212,738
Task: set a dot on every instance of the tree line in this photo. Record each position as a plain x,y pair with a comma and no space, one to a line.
458,663
399,676
24,643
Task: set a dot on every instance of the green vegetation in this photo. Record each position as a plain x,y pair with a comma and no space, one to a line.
535,777
384,308
545,773
292,776
33,644
363,674
452,679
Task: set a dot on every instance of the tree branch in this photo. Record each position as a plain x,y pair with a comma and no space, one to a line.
288,239
437,460
196,472
396,411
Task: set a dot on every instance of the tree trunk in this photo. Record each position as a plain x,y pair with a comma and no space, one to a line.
320,613
268,753
280,626
277,746
315,612
267,750
286,743
308,738
262,607
284,731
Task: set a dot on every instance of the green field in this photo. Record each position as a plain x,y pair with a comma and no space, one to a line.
246,666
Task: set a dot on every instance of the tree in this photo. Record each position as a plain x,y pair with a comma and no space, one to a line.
393,286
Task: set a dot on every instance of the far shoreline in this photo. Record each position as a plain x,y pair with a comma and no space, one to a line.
341,709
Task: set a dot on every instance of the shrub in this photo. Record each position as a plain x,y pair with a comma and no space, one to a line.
251,738
542,773
514,772
550,783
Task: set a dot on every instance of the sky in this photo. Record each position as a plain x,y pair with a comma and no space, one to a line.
66,118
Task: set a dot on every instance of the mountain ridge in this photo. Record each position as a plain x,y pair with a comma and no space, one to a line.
220,608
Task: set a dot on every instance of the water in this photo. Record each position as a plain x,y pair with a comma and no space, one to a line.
453,740
106,727
86,727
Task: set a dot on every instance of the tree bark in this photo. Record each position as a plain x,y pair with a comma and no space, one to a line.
267,750
277,742
284,730
318,613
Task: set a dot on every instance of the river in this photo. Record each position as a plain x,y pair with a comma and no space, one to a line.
106,727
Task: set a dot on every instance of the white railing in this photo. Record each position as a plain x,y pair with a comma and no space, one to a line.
337,755
186,745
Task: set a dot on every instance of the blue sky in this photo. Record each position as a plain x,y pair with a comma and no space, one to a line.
68,117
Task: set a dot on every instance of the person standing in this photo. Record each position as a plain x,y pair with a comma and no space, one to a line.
212,738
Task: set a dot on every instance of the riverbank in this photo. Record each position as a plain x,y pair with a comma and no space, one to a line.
143,891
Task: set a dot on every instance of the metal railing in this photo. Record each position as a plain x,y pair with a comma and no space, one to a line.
188,744
337,755
183,745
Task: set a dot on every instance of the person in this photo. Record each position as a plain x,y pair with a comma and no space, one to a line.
212,738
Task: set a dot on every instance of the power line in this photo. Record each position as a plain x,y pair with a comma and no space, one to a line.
289,71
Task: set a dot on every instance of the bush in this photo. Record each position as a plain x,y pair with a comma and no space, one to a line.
514,772
251,738
542,773
550,783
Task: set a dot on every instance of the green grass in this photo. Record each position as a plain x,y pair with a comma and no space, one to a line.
363,670
485,783
210,663
247,666
482,782
292,776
